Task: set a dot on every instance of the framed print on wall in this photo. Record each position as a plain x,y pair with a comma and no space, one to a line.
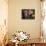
28,13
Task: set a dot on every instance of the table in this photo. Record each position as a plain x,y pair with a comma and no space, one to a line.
32,42
10,44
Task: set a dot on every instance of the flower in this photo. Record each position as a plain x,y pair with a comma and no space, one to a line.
21,36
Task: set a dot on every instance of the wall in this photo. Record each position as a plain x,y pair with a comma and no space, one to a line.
15,21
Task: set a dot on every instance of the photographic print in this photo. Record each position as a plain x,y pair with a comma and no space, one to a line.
28,13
